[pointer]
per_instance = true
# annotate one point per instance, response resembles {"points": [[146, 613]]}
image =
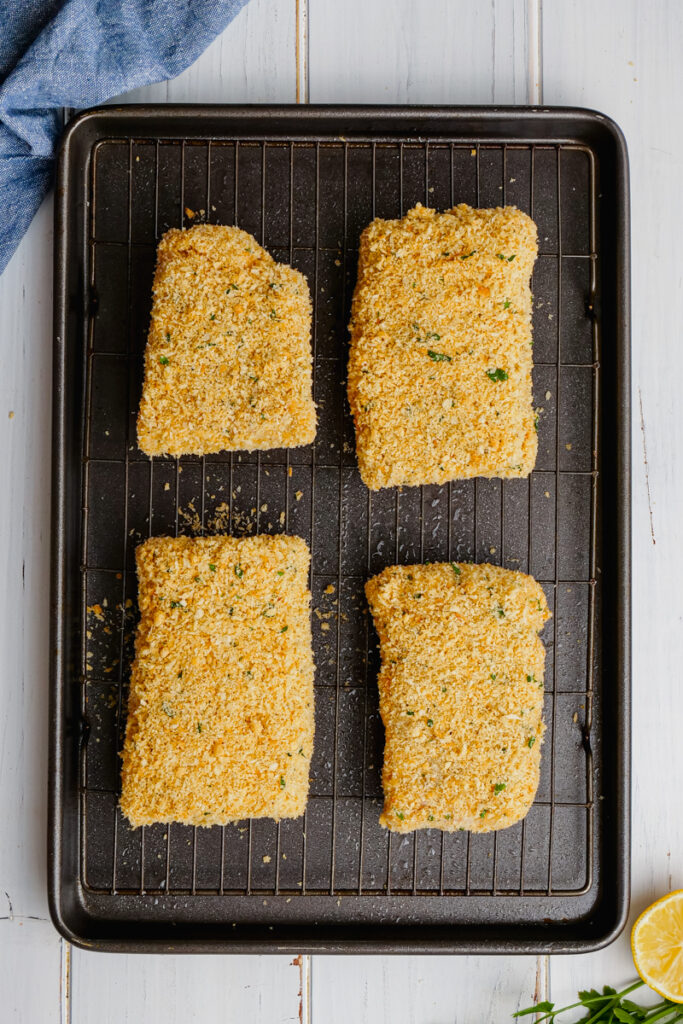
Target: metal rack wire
{"points": [[307, 202]]}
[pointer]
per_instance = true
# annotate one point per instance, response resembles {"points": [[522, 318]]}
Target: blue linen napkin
{"points": [[78, 53]]}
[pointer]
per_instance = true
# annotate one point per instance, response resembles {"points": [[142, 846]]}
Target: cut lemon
{"points": [[657, 946]]}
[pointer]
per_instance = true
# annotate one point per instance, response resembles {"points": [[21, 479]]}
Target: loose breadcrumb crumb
{"points": [[220, 716], [440, 363], [228, 359], [461, 694]]}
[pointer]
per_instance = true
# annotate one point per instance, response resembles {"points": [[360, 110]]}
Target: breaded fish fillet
{"points": [[461, 694], [220, 716], [440, 364], [228, 359]]}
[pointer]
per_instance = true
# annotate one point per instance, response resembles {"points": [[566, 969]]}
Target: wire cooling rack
{"points": [[306, 199]]}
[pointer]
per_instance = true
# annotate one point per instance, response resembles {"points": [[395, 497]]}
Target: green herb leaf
{"points": [[239, 572], [417, 596], [284, 629], [484, 812], [496, 375], [410, 712], [506, 304], [544, 1007], [400, 815], [164, 360], [212, 567], [501, 612], [438, 357], [468, 255], [212, 317], [282, 782], [430, 722], [199, 726], [177, 604], [499, 787], [457, 571], [608, 1006], [530, 742], [167, 709]]}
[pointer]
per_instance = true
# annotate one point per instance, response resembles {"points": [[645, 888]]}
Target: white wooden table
{"points": [[619, 56]]}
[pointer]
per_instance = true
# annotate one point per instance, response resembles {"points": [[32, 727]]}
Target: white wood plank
{"points": [[435, 51], [30, 971], [420, 990], [624, 59], [114, 989], [25, 459], [252, 61]]}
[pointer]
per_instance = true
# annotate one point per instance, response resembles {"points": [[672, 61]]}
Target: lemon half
{"points": [[657, 946]]}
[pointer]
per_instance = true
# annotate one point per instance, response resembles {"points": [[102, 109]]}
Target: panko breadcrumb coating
{"points": [[228, 358], [220, 715], [440, 364], [461, 694]]}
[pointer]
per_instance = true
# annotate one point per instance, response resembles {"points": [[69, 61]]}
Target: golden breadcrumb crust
{"points": [[228, 358], [440, 363], [461, 694], [220, 716]]}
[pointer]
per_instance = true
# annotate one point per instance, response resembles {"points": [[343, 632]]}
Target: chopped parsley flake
{"points": [[164, 360], [239, 572], [284, 629], [417, 596], [501, 611], [530, 742], [430, 722], [176, 604], [212, 317], [506, 304], [497, 374], [410, 712], [456, 569], [484, 812], [467, 256], [168, 710], [282, 782], [499, 787], [199, 726], [439, 357], [506, 259], [212, 568], [400, 815], [230, 288]]}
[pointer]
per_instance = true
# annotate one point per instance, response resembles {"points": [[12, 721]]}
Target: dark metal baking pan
{"points": [[305, 181]]}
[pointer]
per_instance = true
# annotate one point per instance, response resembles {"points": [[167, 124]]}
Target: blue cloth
{"points": [[78, 53]]}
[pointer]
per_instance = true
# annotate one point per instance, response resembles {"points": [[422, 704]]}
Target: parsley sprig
{"points": [[610, 1007]]}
